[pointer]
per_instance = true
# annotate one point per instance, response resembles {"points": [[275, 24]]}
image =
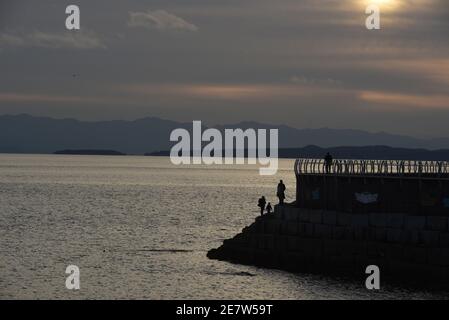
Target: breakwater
{"points": [[341, 223]]}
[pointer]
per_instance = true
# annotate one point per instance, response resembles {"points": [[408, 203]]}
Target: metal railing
{"points": [[372, 167]]}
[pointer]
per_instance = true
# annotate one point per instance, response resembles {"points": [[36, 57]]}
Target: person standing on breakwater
{"points": [[281, 192], [261, 205], [328, 162]]}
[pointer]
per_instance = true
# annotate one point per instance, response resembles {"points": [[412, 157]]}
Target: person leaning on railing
{"points": [[328, 162]]}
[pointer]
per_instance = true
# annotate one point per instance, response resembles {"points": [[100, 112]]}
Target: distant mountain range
{"points": [[368, 152], [91, 152], [29, 134]]}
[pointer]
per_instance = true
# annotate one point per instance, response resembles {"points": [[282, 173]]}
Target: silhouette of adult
{"points": [[261, 204], [281, 192], [328, 162]]}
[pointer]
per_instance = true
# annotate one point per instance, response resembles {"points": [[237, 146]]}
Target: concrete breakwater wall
{"points": [[427, 195], [403, 246]]}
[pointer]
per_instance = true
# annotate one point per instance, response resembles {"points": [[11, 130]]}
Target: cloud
{"points": [[435, 69], [75, 40], [47, 98], [310, 81], [231, 92], [406, 100], [161, 20]]}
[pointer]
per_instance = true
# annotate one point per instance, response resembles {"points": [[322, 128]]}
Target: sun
{"points": [[383, 4]]}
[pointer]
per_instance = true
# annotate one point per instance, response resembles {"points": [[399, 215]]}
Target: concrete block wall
{"points": [[306, 239], [406, 194]]}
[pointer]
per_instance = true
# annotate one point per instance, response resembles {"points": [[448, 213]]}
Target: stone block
{"points": [[415, 254], [239, 237], [414, 237], [359, 248], [415, 222], [261, 242], [338, 232], [270, 242], [372, 249], [330, 218], [292, 243], [344, 247], [276, 226], [381, 234], [272, 226], [301, 244], [260, 257], [304, 215], [301, 229], [316, 216], [394, 252], [322, 231], [344, 219], [361, 262], [329, 248], [394, 235], [360, 233], [259, 226], [395, 220], [444, 240], [430, 238], [291, 213], [281, 243], [433, 256], [436, 223], [293, 261], [284, 227], [292, 228], [382, 249], [444, 257], [308, 228], [349, 233], [436, 273], [360, 220], [312, 247], [343, 261], [253, 241], [397, 266], [438, 256], [405, 236], [279, 210], [378, 220]]}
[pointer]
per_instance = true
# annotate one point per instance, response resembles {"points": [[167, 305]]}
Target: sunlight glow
{"points": [[380, 2], [383, 4]]}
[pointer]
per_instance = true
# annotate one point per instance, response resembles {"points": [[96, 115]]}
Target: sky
{"points": [[303, 63]]}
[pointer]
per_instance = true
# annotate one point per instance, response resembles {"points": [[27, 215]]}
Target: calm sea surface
{"points": [[140, 228]]}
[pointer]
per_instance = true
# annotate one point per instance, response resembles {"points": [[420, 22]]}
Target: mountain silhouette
{"points": [[29, 134], [366, 152]]}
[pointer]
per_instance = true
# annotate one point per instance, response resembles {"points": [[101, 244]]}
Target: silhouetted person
{"points": [[281, 192], [261, 205], [269, 208], [328, 162]]}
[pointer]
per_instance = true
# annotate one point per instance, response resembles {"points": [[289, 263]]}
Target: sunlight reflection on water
{"points": [[138, 227]]}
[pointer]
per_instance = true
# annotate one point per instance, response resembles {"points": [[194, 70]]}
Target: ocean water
{"points": [[140, 228]]}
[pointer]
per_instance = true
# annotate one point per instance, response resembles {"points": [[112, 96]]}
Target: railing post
{"points": [[372, 167]]}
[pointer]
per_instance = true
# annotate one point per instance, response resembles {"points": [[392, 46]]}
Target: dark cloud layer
{"points": [[300, 62]]}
